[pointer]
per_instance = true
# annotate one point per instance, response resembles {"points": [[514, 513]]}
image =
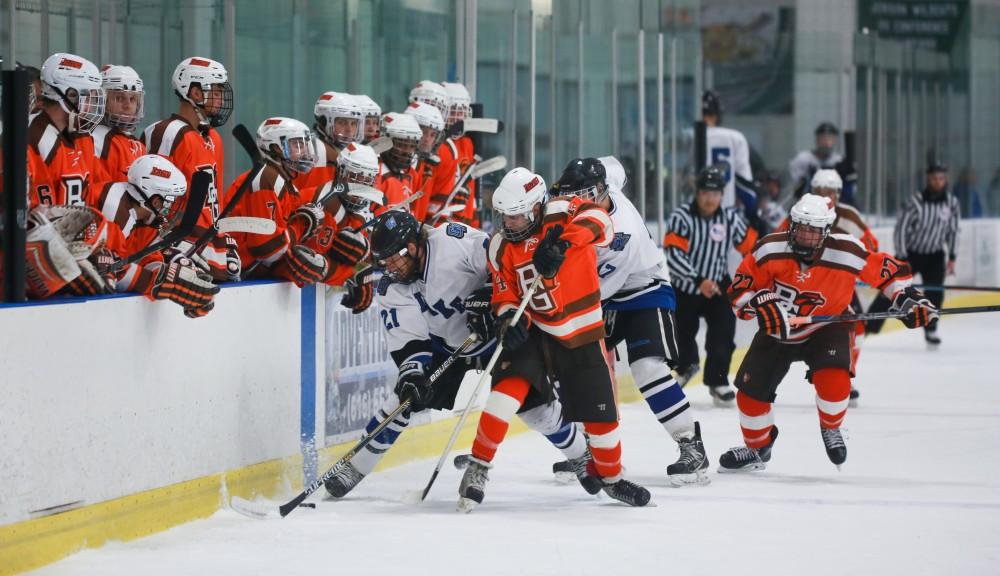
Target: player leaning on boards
{"points": [[638, 303], [434, 292], [561, 332], [805, 271]]}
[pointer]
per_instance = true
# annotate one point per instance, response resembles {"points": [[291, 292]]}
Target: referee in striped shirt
{"points": [[699, 238], [926, 236]]}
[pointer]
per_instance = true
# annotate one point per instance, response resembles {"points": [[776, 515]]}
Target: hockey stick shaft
{"points": [[475, 170], [528, 295], [454, 191], [286, 509], [801, 320], [939, 288], [401, 204]]}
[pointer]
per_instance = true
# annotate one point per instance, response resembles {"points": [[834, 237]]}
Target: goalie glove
{"points": [[348, 247], [918, 309], [305, 220], [90, 282], [180, 282], [360, 291], [306, 266], [771, 315]]}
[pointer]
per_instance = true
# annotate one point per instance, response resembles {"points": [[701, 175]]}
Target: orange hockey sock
{"points": [[605, 447], [756, 420], [504, 401], [833, 391]]}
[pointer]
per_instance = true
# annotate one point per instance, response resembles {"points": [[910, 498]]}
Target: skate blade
{"points": [[565, 477], [699, 478], [466, 505], [743, 470]]}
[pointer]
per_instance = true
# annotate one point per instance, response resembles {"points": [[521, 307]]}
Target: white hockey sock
{"points": [[366, 460], [664, 396], [566, 436]]}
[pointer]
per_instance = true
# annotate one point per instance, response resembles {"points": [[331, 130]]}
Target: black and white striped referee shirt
{"points": [[928, 225], [698, 247]]}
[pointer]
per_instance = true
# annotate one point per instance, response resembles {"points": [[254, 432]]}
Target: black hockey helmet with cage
{"points": [[710, 104], [582, 177], [711, 178], [391, 233], [827, 128]]}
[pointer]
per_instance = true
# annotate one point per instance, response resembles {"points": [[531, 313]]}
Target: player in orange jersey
{"points": [[805, 271], [339, 122], [561, 332], [61, 165], [432, 125], [398, 178], [460, 147], [115, 143]]}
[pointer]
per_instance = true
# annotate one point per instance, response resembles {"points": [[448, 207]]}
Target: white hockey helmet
{"points": [[373, 116], [430, 92], [123, 88], [827, 179], [405, 134], [211, 77], [333, 106], [75, 83], [812, 219], [357, 169], [459, 102], [288, 143], [153, 175], [518, 193], [431, 125]]}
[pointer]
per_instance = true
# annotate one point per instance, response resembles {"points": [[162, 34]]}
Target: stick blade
{"points": [[248, 225], [489, 165], [381, 144], [255, 510]]}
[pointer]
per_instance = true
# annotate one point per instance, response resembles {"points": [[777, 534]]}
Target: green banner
{"points": [[934, 25]]}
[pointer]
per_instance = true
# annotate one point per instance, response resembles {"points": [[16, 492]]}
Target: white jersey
{"points": [[632, 269], [804, 165], [729, 147], [431, 309]]}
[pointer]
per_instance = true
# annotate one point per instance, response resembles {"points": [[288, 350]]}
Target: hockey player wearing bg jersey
{"points": [[434, 287], [805, 271], [638, 303], [561, 332], [115, 143], [339, 122]]}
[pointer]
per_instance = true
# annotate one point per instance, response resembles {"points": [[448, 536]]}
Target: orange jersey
{"points": [[466, 156], [116, 205], [443, 178], [336, 217], [424, 175], [569, 305], [396, 187], [825, 287], [264, 199], [116, 151], [325, 169], [849, 221], [62, 170]]}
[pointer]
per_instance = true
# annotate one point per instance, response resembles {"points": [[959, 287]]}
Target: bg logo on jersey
{"points": [[799, 303]]}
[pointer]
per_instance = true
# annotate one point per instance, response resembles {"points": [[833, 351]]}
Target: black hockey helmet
{"points": [[827, 128], [710, 104], [391, 233], [584, 177], [711, 178], [936, 166]]}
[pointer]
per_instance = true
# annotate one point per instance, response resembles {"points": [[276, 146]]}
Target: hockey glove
{"points": [[360, 291], [306, 266], [348, 247], [771, 315], [918, 309], [234, 265], [180, 282], [91, 282], [413, 385], [550, 253], [305, 219], [513, 335], [199, 311], [478, 316]]}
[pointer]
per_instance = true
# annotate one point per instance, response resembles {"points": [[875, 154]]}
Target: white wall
{"points": [[110, 397], [978, 258]]}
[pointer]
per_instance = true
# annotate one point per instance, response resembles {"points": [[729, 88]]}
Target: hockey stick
{"points": [[484, 125], [259, 511], [200, 181], [401, 204], [242, 136], [802, 320], [528, 295], [381, 144], [247, 224], [939, 288], [477, 169]]}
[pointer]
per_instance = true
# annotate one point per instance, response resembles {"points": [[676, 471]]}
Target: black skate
{"points": [[853, 402], [568, 471], [722, 396], [744, 459], [836, 450], [685, 374], [473, 487], [691, 466], [932, 338], [344, 481], [627, 492]]}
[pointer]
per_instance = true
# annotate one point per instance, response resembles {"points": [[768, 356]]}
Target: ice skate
{"points": [[692, 464], [473, 487], [853, 401], [685, 374], [836, 450], [744, 459], [722, 396], [625, 491]]}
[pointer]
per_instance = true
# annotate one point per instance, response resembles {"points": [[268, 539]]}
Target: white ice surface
{"points": [[919, 494]]}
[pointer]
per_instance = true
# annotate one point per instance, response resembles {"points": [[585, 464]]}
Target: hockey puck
{"points": [[307, 505]]}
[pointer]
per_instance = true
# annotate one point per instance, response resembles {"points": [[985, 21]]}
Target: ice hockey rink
{"points": [[919, 494]]}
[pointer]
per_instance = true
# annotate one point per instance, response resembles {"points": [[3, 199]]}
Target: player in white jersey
{"points": [[638, 303], [433, 294], [728, 149], [802, 167]]}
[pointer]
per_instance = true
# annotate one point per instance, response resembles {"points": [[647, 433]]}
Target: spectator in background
{"points": [[807, 162]]}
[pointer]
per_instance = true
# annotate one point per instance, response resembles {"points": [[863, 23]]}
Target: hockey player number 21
{"points": [[542, 301]]}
